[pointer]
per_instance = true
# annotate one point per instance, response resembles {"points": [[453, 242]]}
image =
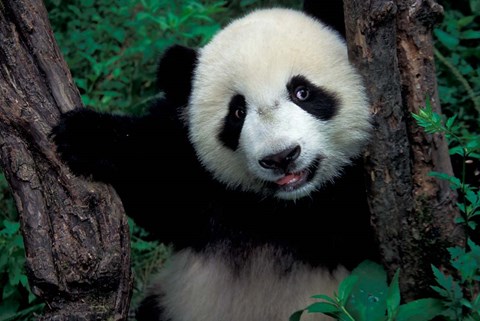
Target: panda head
{"points": [[276, 108]]}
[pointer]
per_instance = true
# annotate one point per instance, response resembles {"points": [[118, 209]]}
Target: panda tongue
{"points": [[289, 179]]}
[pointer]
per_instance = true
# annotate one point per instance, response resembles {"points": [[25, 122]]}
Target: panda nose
{"points": [[281, 160]]}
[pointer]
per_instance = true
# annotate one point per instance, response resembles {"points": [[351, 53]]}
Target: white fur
{"points": [[256, 56], [205, 287]]}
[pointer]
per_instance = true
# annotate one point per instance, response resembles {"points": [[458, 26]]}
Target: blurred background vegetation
{"points": [[112, 48]]}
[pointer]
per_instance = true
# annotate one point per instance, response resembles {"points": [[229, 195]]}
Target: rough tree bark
{"points": [[75, 232], [390, 42]]}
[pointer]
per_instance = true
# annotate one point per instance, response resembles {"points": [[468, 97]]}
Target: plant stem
{"points": [[346, 312], [460, 78]]}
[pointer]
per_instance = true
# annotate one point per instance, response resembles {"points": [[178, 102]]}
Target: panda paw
{"points": [[77, 138]]}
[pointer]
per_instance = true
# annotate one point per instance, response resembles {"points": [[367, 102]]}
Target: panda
{"points": [[249, 166]]}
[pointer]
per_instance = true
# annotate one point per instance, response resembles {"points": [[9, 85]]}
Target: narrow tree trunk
{"points": [[390, 42], [75, 232]]}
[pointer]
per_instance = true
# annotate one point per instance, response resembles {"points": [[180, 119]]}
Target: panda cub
{"points": [[247, 166]]}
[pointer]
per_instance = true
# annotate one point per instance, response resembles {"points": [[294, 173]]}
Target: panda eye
{"points": [[237, 109], [302, 93], [240, 113]]}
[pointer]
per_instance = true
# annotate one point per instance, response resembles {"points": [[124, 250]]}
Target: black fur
{"points": [[328, 11], [150, 310], [175, 72]]}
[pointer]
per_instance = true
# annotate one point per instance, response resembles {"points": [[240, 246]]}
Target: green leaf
{"points": [[459, 220], [473, 144], [75, 10], [119, 35], [455, 183], [323, 307], [296, 316], [420, 310], [447, 39], [8, 309], [476, 303], [457, 150], [466, 304], [473, 198], [451, 289], [474, 248], [456, 252], [475, 5], [464, 21], [367, 301], [472, 225], [81, 83], [345, 288], [8, 291], [428, 119], [393, 296], [87, 3], [17, 241], [439, 290], [471, 34], [450, 121], [10, 228], [324, 297]]}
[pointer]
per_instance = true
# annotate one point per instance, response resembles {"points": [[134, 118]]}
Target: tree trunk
{"points": [[75, 232], [391, 44]]}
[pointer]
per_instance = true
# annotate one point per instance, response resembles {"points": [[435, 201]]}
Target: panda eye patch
{"points": [[237, 108], [316, 100], [233, 122], [302, 93]]}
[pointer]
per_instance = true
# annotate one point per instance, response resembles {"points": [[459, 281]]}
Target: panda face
{"points": [[276, 108]]}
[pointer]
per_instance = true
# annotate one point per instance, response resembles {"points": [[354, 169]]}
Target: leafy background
{"points": [[112, 48]]}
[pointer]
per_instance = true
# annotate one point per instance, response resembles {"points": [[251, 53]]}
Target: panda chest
{"points": [[268, 286]]}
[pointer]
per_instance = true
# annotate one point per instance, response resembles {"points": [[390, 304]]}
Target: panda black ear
{"points": [[174, 74], [328, 11]]}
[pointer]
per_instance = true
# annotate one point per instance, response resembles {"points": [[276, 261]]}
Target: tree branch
{"points": [[75, 232]]}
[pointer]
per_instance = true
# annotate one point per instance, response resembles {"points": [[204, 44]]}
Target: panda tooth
{"points": [[293, 179], [289, 179]]}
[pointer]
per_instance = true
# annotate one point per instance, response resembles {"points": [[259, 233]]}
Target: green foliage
{"points": [[457, 55], [467, 146], [461, 142], [147, 258], [334, 307], [366, 296], [112, 47], [16, 298], [458, 290], [7, 206]]}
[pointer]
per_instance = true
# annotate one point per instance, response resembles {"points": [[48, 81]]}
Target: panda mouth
{"points": [[293, 181]]}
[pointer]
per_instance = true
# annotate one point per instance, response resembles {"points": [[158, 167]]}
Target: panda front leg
{"points": [[97, 145]]}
